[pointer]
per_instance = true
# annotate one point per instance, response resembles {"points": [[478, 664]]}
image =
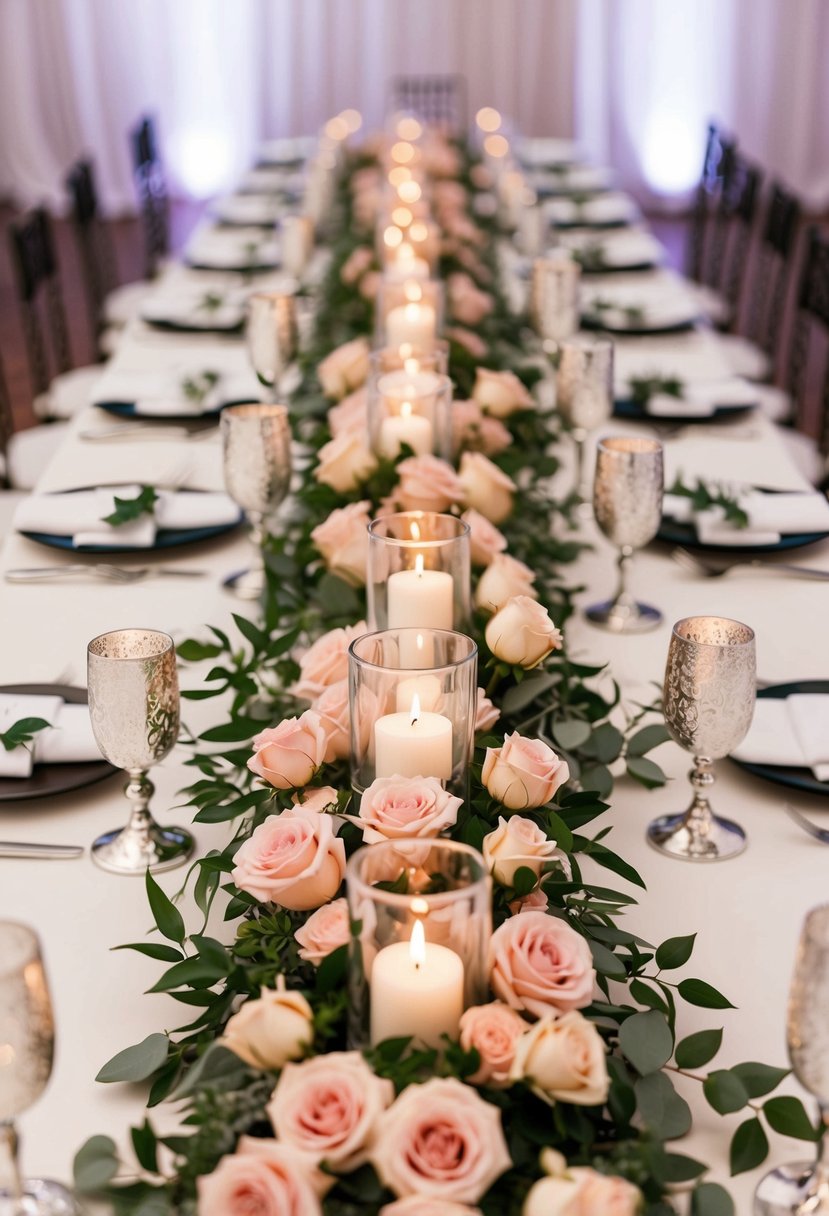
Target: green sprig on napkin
{"points": [[196, 388], [704, 495], [642, 388], [211, 301], [22, 731], [128, 509]]}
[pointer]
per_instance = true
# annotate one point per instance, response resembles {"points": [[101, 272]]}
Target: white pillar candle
{"points": [[408, 428], [405, 264], [415, 323], [417, 651], [413, 744], [421, 599], [420, 389], [416, 989]]}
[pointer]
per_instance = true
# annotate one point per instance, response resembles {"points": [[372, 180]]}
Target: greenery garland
{"points": [[558, 701]]}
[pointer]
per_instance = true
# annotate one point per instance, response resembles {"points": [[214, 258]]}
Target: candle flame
{"points": [[415, 710], [417, 943], [406, 409], [411, 366], [419, 563]]}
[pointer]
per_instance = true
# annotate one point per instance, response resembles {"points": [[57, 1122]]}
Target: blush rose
{"points": [[538, 963], [292, 859], [523, 773]]}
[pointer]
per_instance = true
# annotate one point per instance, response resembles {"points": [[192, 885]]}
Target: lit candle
{"points": [[421, 599], [407, 427], [412, 385], [415, 322], [416, 989], [413, 744], [406, 265]]}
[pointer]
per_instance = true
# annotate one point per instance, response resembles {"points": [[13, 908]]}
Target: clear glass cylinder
{"points": [[412, 694], [419, 572], [418, 954], [584, 382], [411, 409], [554, 296], [409, 313]]}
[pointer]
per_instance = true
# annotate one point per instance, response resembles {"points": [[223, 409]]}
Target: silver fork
{"points": [[111, 574], [148, 432], [705, 569], [821, 834]]}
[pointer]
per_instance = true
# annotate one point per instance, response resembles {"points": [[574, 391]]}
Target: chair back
{"points": [[736, 209], [436, 99], [809, 378], [6, 430], [94, 242], [774, 272], [151, 186], [39, 296], [707, 193]]}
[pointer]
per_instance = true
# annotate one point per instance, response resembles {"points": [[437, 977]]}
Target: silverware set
{"points": [[103, 572]]}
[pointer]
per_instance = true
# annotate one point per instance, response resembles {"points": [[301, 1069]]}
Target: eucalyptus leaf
{"points": [[675, 952], [95, 1164], [646, 1041], [787, 1116], [697, 1049], [725, 1092], [138, 1062], [749, 1146], [697, 992], [711, 1199], [571, 733], [759, 1079]]}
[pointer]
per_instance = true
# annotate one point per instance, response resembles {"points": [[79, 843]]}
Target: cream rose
{"points": [[288, 755], [504, 579], [261, 1177], [563, 1058], [350, 417], [396, 807], [318, 798], [494, 436], [583, 1192], [324, 932], [472, 343], [493, 1030], [268, 1032], [522, 633], [356, 264], [332, 705], [292, 859], [486, 714], [345, 368], [440, 1140], [326, 662], [538, 963], [343, 542], [485, 540], [427, 483], [469, 305], [416, 1205], [523, 773], [500, 393], [330, 1107], [475, 431], [517, 842], [486, 487], [345, 463]]}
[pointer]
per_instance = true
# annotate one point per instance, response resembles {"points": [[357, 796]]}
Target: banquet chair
{"points": [[705, 199], [110, 308], [60, 390], [811, 335], [151, 184], [437, 99], [23, 455]]}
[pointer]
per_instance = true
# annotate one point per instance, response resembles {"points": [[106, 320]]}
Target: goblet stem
{"points": [[142, 844], [698, 834], [139, 790], [580, 440], [698, 817], [11, 1144]]}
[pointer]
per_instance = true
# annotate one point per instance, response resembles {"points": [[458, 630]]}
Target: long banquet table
{"points": [[747, 912]]}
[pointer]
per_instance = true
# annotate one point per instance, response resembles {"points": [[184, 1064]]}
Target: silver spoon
{"points": [[706, 569], [821, 834]]}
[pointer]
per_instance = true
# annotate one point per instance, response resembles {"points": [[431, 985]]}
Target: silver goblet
{"points": [[554, 298], [708, 703], [627, 502], [27, 1039], [256, 443], [803, 1187], [584, 392], [273, 340], [134, 707]]}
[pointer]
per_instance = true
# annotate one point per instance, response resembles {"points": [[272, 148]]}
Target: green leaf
{"points": [[193, 651], [606, 962], [219, 1068], [571, 733], [749, 1146], [331, 972], [191, 973], [524, 880], [646, 996], [676, 1167], [759, 1079], [22, 731], [711, 1199], [697, 1049], [645, 771], [646, 1041], [522, 695], [237, 730], [257, 638], [697, 992], [675, 952], [725, 1092], [666, 1115], [611, 861], [167, 917], [597, 778], [162, 953], [128, 509], [605, 743], [647, 738], [558, 830], [212, 952], [787, 1116], [95, 1164], [138, 1062], [145, 1146]]}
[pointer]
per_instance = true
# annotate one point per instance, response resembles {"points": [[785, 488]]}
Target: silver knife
{"points": [[19, 848]]}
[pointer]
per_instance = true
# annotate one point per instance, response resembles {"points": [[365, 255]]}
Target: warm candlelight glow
{"points": [[417, 943], [402, 152], [488, 119], [409, 191], [398, 175], [406, 409], [392, 237], [496, 145], [336, 128], [411, 366], [419, 564], [413, 292], [415, 710], [414, 530], [353, 120], [402, 216], [408, 128]]}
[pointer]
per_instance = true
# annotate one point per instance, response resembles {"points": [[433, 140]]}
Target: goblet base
{"points": [[246, 584], [789, 1190], [674, 836], [41, 1197], [629, 617], [125, 851]]}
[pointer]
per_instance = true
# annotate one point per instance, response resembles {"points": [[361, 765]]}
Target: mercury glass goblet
{"points": [[134, 707], [26, 1047], [803, 1187], [273, 340], [627, 502], [708, 702], [554, 298], [584, 393], [256, 442]]}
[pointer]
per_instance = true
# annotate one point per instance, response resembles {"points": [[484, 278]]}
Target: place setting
{"points": [[616, 251], [595, 211], [711, 518], [245, 250]]}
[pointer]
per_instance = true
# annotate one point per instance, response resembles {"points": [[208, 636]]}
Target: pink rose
{"points": [[473, 431], [504, 579], [369, 285], [329, 1108], [343, 542], [471, 261], [523, 773], [582, 1192], [350, 416], [292, 859], [440, 1140], [468, 304], [324, 932], [501, 393], [522, 633], [494, 436], [485, 540], [515, 843], [356, 264], [268, 1032], [332, 705], [316, 798], [493, 1030], [393, 808], [262, 1178], [486, 714], [536, 901], [417, 1205], [345, 462], [326, 662], [486, 487], [346, 368], [427, 483], [538, 963], [564, 1059], [288, 755], [471, 342]]}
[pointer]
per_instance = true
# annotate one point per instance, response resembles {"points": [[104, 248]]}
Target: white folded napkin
{"points": [[770, 516], [232, 249], [609, 208], [69, 740], [678, 507], [161, 394], [702, 398], [574, 179], [188, 509], [13, 707], [81, 516], [627, 247], [543, 150], [247, 209], [187, 307], [714, 529], [793, 733]]}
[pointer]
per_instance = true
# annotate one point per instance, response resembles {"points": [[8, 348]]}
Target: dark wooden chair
{"points": [[738, 207], [774, 269], [95, 248], [23, 454], [808, 372], [39, 296], [151, 185], [438, 99], [705, 201]]}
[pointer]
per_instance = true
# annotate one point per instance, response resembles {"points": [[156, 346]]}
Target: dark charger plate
{"points": [[50, 779], [794, 778]]}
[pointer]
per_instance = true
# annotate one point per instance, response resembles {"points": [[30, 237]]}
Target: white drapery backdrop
{"points": [[635, 82]]}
